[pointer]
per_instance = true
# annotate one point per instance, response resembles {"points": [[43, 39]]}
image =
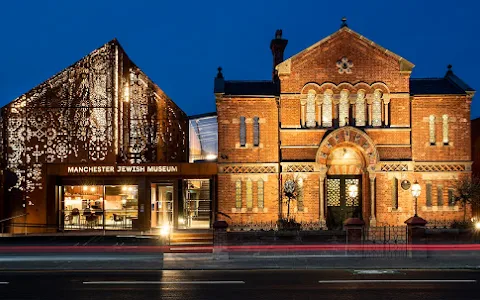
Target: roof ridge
{"points": [[234, 81], [427, 78]]}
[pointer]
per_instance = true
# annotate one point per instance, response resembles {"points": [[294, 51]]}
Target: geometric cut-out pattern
{"points": [[333, 192]]}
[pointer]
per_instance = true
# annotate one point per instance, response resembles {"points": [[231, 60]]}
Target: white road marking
{"points": [[4, 282], [374, 272], [165, 282], [401, 281]]}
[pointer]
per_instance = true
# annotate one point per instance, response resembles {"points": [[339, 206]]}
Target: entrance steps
{"points": [[189, 238]]}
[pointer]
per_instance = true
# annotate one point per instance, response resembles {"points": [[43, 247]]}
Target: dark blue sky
{"points": [[179, 44]]}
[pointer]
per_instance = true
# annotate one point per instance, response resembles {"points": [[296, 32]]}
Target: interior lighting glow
{"points": [[211, 156]]}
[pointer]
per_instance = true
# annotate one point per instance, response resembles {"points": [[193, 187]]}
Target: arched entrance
{"points": [[343, 185], [347, 158]]}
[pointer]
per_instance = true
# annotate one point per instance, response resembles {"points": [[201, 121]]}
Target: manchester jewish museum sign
{"points": [[121, 169]]}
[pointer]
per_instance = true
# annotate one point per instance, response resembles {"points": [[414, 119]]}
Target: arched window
{"points": [[343, 108], [360, 109], [327, 109], [260, 202], [310, 115], [431, 129], [377, 109], [445, 129], [249, 193], [238, 194]]}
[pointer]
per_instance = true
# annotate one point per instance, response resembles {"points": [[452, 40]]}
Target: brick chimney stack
{"points": [[277, 45]]}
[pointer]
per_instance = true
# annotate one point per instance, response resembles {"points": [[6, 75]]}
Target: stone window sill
{"points": [[304, 210], [249, 210], [441, 208], [248, 146], [395, 210]]}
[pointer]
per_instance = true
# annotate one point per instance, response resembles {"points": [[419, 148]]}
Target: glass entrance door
{"points": [[197, 204], [162, 201], [344, 196]]}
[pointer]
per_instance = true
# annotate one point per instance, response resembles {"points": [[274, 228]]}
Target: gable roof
{"points": [[406, 65]]}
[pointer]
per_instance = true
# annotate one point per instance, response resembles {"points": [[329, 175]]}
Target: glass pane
{"points": [[162, 205], [333, 192], [83, 207], [121, 206], [197, 203], [349, 200]]}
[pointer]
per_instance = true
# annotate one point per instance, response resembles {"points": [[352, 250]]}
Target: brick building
{"points": [[344, 121]]}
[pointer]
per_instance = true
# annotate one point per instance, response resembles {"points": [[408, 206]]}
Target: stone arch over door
{"points": [[355, 141]]}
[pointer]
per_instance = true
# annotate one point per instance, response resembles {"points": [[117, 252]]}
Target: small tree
{"points": [[291, 193], [468, 192]]}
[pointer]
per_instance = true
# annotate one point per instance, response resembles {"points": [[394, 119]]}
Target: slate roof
{"points": [[434, 86], [252, 88], [450, 84]]}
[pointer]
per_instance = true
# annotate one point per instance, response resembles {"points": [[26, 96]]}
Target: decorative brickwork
{"points": [[393, 167], [339, 120], [299, 168], [248, 169], [439, 168]]}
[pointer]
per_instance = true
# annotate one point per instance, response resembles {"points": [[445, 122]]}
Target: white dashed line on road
{"points": [[164, 282], [401, 281]]}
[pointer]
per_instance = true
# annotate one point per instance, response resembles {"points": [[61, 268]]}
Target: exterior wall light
{"points": [[211, 157]]}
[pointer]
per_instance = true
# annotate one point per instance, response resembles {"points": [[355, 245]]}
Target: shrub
{"points": [[288, 224]]}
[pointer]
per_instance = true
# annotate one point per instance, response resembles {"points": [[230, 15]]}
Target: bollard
{"points": [[354, 228], [220, 240], [416, 235]]}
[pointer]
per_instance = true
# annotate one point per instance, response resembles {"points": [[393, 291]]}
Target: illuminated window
{"points": [[377, 109], [395, 193], [327, 109], [440, 195], [343, 108], [256, 131], [300, 206], [431, 122], [445, 129], [260, 193], [429, 194], [238, 194], [451, 197], [311, 110], [99, 207], [243, 132], [249, 193], [360, 109]]}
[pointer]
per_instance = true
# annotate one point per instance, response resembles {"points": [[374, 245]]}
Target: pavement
{"points": [[131, 260], [241, 284]]}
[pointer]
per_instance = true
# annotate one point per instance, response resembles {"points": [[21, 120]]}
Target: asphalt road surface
{"points": [[241, 284]]}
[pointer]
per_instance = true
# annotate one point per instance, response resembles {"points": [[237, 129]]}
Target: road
{"points": [[241, 284]]}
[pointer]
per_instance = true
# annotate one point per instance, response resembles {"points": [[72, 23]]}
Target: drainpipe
{"points": [[277, 100]]}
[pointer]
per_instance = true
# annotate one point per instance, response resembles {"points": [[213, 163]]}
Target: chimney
{"points": [[277, 45]]}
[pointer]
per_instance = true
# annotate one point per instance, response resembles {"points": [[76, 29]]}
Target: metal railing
{"points": [[10, 218]]}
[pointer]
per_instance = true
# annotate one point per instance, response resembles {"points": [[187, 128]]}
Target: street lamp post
{"points": [[416, 190]]}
